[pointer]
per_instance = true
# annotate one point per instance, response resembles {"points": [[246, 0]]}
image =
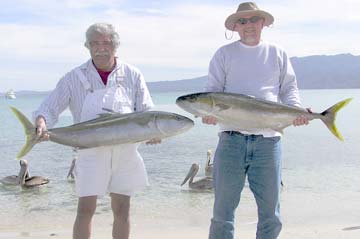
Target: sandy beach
{"points": [[293, 232], [304, 231], [305, 216]]}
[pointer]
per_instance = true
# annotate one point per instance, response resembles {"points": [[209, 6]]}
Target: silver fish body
{"points": [[121, 129], [110, 129], [246, 113]]}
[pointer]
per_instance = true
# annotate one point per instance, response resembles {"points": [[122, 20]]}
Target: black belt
{"points": [[233, 132]]}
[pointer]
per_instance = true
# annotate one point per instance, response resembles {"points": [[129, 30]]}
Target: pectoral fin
{"points": [[108, 110], [222, 107], [102, 115]]}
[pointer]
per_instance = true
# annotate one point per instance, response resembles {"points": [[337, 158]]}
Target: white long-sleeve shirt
{"points": [[70, 92], [263, 71]]}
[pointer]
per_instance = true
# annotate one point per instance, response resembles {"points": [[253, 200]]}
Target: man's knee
{"points": [[120, 205], [86, 206]]}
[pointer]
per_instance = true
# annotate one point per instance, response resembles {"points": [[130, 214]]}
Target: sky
{"points": [[42, 40]]}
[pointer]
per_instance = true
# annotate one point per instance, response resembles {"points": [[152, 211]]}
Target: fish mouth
{"points": [[186, 102], [194, 103], [186, 123], [180, 124]]}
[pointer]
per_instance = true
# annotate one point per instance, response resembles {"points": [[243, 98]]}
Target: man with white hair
{"points": [[102, 83], [253, 67]]}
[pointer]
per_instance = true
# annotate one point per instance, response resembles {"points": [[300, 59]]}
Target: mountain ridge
{"points": [[341, 71]]}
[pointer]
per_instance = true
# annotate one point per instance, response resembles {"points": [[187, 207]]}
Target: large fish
{"points": [[109, 129], [245, 112]]}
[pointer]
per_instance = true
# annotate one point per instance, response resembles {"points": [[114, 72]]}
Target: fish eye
{"points": [[192, 98]]}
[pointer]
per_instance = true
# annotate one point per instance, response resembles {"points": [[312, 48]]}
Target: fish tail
{"points": [[330, 116], [29, 128]]}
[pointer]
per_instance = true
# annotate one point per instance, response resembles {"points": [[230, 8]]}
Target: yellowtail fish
{"points": [[246, 113], [109, 129]]}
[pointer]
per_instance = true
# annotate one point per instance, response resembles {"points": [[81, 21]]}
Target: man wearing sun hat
{"points": [[253, 67]]}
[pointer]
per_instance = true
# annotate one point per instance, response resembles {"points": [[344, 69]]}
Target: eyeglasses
{"points": [[101, 43], [253, 19]]}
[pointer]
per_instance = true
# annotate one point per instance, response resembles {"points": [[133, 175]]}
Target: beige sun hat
{"points": [[247, 8]]}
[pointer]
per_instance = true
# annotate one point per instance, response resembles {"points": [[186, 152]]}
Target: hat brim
{"points": [[233, 18]]}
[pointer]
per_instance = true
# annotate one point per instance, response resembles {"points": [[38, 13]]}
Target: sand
{"points": [[305, 231], [305, 215]]}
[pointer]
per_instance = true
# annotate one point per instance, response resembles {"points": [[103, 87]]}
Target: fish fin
{"points": [[330, 116], [109, 110], [222, 106], [102, 115], [29, 128]]}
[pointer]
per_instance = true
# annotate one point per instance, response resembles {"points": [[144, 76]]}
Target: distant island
{"points": [[340, 71]]}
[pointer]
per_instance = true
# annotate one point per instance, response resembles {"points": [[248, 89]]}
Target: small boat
{"points": [[10, 94]]}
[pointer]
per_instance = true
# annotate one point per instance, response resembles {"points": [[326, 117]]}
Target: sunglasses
{"points": [[253, 19]]}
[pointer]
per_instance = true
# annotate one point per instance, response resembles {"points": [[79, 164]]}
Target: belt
{"points": [[233, 132]]}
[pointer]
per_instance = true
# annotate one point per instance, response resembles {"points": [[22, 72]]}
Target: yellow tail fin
{"points": [[29, 128], [330, 116]]}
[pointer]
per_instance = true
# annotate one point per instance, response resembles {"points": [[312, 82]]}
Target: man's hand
{"points": [[41, 130], [153, 141], [302, 119], [209, 120]]}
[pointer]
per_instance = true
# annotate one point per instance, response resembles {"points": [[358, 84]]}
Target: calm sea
{"points": [[314, 163]]}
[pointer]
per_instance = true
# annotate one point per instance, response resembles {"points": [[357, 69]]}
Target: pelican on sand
{"points": [[23, 178], [204, 183]]}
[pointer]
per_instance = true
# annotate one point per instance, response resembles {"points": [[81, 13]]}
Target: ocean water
{"points": [[315, 164]]}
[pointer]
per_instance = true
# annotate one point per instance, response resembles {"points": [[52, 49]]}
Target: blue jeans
{"points": [[236, 156]]}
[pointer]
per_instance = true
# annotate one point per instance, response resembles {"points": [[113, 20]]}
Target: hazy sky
{"points": [[167, 40]]}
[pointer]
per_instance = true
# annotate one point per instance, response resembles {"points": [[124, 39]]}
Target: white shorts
{"points": [[112, 169]]}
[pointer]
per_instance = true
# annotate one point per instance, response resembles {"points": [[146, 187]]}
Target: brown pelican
{"points": [[208, 165], [24, 179], [204, 183], [71, 175], [32, 181], [15, 179]]}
